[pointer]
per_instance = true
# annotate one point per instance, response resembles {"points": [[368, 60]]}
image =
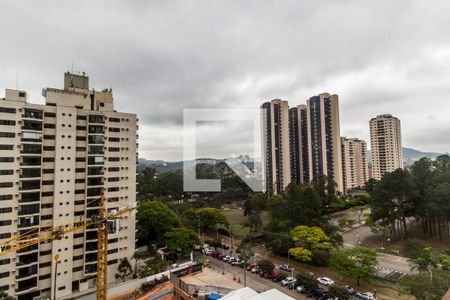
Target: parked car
{"points": [[286, 268], [198, 247], [288, 280], [249, 267], [365, 295], [293, 285], [232, 258], [279, 278], [221, 256], [226, 258], [300, 289], [325, 281], [349, 289], [215, 253], [237, 262], [270, 275], [255, 270], [208, 251], [317, 293]]}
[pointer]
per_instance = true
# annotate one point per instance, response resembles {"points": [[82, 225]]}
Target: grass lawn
{"points": [[236, 216]]}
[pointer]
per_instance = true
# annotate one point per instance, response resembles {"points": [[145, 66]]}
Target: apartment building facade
{"points": [[324, 138], [386, 145], [56, 160], [355, 169], [299, 144], [275, 145]]}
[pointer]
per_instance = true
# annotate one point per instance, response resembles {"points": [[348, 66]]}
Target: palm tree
{"points": [[124, 269]]}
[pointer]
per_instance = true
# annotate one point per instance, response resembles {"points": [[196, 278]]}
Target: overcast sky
{"points": [[162, 56]]}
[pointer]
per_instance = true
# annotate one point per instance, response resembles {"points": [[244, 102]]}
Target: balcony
{"points": [[96, 150], [26, 285], [95, 171], [31, 149], [96, 139], [30, 173], [31, 136], [33, 114], [31, 161], [27, 272], [96, 181], [29, 209], [32, 125], [96, 129], [96, 119], [28, 221], [96, 160], [27, 259], [30, 185], [30, 197], [94, 192]]}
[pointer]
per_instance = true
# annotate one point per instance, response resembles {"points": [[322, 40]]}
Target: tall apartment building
{"points": [[355, 169], [386, 145], [55, 160], [324, 138], [275, 148], [298, 139]]}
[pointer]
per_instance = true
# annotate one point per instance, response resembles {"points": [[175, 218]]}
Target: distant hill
{"points": [[411, 155]]}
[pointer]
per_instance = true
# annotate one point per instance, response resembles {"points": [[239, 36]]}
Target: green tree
{"points": [[308, 240], [266, 266], [253, 222], [154, 219], [338, 292], [424, 288], [210, 218], [357, 263], [182, 239], [426, 261], [245, 252], [307, 281], [124, 269], [278, 243], [153, 267], [255, 202]]}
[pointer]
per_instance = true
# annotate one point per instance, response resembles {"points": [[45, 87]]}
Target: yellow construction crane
{"points": [[30, 238]]}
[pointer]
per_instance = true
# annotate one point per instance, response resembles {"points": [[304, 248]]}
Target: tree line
{"points": [[419, 194]]}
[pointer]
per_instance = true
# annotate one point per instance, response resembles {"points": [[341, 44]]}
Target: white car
{"points": [[288, 280], [325, 281], [208, 251], [226, 258], [365, 296], [300, 289], [232, 259], [286, 268], [237, 262], [255, 270]]}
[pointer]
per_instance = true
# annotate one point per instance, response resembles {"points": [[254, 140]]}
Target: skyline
{"points": [[171, 57]]}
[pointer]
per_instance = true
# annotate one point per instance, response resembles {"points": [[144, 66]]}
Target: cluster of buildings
{"points": [[302, 142], [56, 159]]}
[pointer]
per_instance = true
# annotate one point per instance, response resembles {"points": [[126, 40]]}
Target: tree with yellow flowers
{"points": [[308, 240]]}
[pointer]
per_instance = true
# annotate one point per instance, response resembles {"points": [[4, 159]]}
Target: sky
{"points": [[161, 57]]}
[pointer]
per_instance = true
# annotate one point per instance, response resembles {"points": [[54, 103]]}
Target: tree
{"points": [[426, 261], [253, 222], [124, 269], [338, 293], [154, 219], [256, 202], [307, 281], [182, 239], [153, 267], [278, 243], [210, 218], [425, 288], [359, 212], [357, 263], [245, 252], [307, 240], [266, 266]]}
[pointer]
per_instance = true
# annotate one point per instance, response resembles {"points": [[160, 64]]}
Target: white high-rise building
{"points": [[386, 145], [55, 160], [355, 169]]}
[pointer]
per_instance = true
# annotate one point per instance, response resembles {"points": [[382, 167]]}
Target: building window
{"points": [[7, 134], [7, 110], [8, 122]]}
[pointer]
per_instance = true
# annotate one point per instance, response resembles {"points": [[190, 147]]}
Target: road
{"points": [[364, 237], [253, 281]]}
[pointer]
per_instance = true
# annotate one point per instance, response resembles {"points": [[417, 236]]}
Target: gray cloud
{"points": [[162, 56]]}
